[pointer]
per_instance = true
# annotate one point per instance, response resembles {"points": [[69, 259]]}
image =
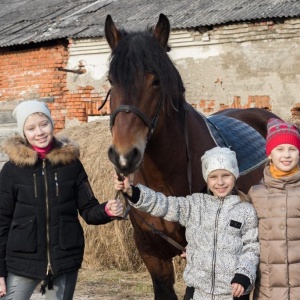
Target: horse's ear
{"points": [[112, 33], [162, 31]]}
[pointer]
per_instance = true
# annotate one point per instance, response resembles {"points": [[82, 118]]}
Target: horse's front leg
{"points": [[157, 255], [162, 275]]}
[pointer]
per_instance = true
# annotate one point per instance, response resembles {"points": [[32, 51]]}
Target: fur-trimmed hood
{"points": [[21, 154]]}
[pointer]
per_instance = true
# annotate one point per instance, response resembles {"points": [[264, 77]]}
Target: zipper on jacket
{"points": [[213, 280], [35, 185], [286, 241], [44, 172], [56, 184]]}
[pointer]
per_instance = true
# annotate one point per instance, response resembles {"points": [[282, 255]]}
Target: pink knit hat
{"points": [[280, 132]]}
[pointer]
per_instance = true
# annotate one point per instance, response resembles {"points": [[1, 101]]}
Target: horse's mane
{"points": [[139, 53]]}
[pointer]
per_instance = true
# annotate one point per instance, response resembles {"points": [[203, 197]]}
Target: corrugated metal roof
{"points": [[27, 21]]}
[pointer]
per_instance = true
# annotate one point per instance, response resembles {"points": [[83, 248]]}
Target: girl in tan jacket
{"points": [[277, 202]]}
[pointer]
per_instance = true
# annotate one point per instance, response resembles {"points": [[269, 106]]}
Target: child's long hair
{"points": [[243, 196]]}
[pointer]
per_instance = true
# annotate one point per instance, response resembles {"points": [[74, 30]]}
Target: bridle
{"points": [[150, 123]]}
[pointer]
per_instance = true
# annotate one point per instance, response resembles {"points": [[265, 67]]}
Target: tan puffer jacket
{"points": [[277, 202]]}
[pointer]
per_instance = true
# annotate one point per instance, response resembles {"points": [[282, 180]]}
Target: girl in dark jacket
{"points": [[43, 186]]}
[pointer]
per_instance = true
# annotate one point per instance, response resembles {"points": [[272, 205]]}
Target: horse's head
{"points": [[145, 86]]}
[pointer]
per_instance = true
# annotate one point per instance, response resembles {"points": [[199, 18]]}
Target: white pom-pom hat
{"points": [[219, 159]]}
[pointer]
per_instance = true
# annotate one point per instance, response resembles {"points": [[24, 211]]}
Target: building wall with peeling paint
{"points": [[244, 65], [40, 72], [244, 69], [240, 65]]}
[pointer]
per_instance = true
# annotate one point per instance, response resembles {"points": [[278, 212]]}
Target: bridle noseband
{"points": [[150, 123]]}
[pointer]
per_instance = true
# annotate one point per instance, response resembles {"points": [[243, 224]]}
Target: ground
{"points": [[114, 285]]}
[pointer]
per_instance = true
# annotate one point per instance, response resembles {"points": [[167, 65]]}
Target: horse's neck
{"points": [[168, 155]]}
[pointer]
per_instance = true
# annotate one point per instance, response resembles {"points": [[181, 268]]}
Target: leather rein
{"points": [[151, 124]]}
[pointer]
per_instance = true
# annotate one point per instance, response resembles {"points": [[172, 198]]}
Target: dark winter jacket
{"points": [[39, 205]]}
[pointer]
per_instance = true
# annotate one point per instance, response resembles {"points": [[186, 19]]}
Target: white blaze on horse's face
{"points": [[127, 150], [122, 161]]}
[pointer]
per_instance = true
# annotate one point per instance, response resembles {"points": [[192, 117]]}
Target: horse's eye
{"points": [[155, 82]]}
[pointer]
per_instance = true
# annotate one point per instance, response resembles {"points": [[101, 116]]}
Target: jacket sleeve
{"points": [[241, 279], [249, 258], [174, 209], [88, 206], [7, 206]]}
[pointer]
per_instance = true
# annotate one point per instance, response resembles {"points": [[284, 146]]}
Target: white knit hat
{"points": [[219, 158], [27, 108]]}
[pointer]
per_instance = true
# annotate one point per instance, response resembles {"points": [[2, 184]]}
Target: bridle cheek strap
{"points": [[151, 124]]}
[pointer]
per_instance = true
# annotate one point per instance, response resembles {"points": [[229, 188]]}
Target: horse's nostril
{"points": [[134, 156], [136, 151], [111, 154], [110, 150]]}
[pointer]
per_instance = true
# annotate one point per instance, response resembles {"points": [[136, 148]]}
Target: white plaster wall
{"points": [[94, 55], [220, 72], [228, 61]]}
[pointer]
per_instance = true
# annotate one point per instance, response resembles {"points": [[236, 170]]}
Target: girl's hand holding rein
{"points": [[125, 185], [114, 207]]}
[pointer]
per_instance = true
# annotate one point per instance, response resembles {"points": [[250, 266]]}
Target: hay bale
{"points": [[110, 245]]}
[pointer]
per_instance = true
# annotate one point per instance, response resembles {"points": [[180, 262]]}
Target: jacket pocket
{"points": [[23, 235], [70, 233]]}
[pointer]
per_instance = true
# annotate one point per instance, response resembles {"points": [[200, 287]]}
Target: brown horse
{"points": [[159, 136]]}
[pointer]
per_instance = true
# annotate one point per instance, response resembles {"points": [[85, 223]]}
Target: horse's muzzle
{"points": [[125, 163]]}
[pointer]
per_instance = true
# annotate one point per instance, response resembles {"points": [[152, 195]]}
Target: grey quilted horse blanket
{"points": [[247, 143]]}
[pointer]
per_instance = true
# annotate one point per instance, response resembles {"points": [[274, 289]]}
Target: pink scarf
{"points": [[42, 152]]}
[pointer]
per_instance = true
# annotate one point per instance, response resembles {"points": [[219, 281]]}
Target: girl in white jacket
{"points": [[221, 228]]}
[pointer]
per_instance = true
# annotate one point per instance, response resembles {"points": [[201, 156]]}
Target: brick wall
{"points": [[31, 72], [210, 106]]}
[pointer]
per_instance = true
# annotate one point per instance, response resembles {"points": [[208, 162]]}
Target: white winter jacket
{"points": [[222, 238]]}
